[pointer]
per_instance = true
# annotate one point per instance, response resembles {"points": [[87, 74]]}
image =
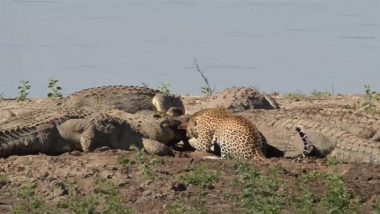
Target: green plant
{"points": [[259, 194], [55, 90], [23, 91], [4, 180], [145, 165], [76, 203], [164, 88], [85, 205], [177, 208], [370, 97], [376, 206], [206, 90], [110, 194], [105, 199], [332, 161], [336, 198], [303, 200], [319, 94], [123, 159], [201, 176], [296, 95], [28, 202]]}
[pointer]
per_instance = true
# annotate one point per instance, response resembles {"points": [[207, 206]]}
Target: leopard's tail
{"points": [[307, 145]]}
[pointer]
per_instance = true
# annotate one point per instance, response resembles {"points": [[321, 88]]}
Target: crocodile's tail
{"points": [[32, 137], [26, 140]]}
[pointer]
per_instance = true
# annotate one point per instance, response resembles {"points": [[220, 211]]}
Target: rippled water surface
{"points": [[275, 45]]}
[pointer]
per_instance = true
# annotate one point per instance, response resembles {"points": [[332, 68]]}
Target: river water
{"points": [[274, 45]]}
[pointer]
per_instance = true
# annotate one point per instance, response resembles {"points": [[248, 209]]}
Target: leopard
{"points": [[237, 137]]}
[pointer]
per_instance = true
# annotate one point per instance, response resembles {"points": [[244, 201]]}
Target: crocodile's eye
{"points": [[156, 116]]}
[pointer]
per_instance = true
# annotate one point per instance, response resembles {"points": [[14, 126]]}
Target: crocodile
{"points": [[127, 98], [84, 130], [329, 141], [130, 99], [361, 123]]}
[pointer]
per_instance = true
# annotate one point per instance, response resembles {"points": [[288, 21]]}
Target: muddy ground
{"points": [[115, 181], [140, 183]]}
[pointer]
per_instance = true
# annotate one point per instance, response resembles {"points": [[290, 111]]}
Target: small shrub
{"points": [[28, 202], [206, 90], [108, 191], [105, 199], [177, 208], [4, 180], [23, 91], [297, 95], [180, 208], [319, 94], [55, 90], [332, 161], [336, 198], [201, 176], [303, 200], [76, 203], [370, 97], [259, 194], [376, 206], [123, 160], [85, 205], [164, 88], [146, 166]]}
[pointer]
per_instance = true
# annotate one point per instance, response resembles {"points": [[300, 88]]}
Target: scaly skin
{"points": [[358, 122], [127, 98], [76, 130], [38, 137], [346, 147]]}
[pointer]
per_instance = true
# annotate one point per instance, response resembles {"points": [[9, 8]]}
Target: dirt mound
{"points": [[238, 99]]}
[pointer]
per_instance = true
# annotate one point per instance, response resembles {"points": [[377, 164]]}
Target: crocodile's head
{"points": [[170, 104], [161, 128]]}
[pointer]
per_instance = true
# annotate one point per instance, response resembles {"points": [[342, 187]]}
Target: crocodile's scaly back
{"points": [[358, 122], [40, 136], [281, 133], [37, 116], [127, 98]]}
